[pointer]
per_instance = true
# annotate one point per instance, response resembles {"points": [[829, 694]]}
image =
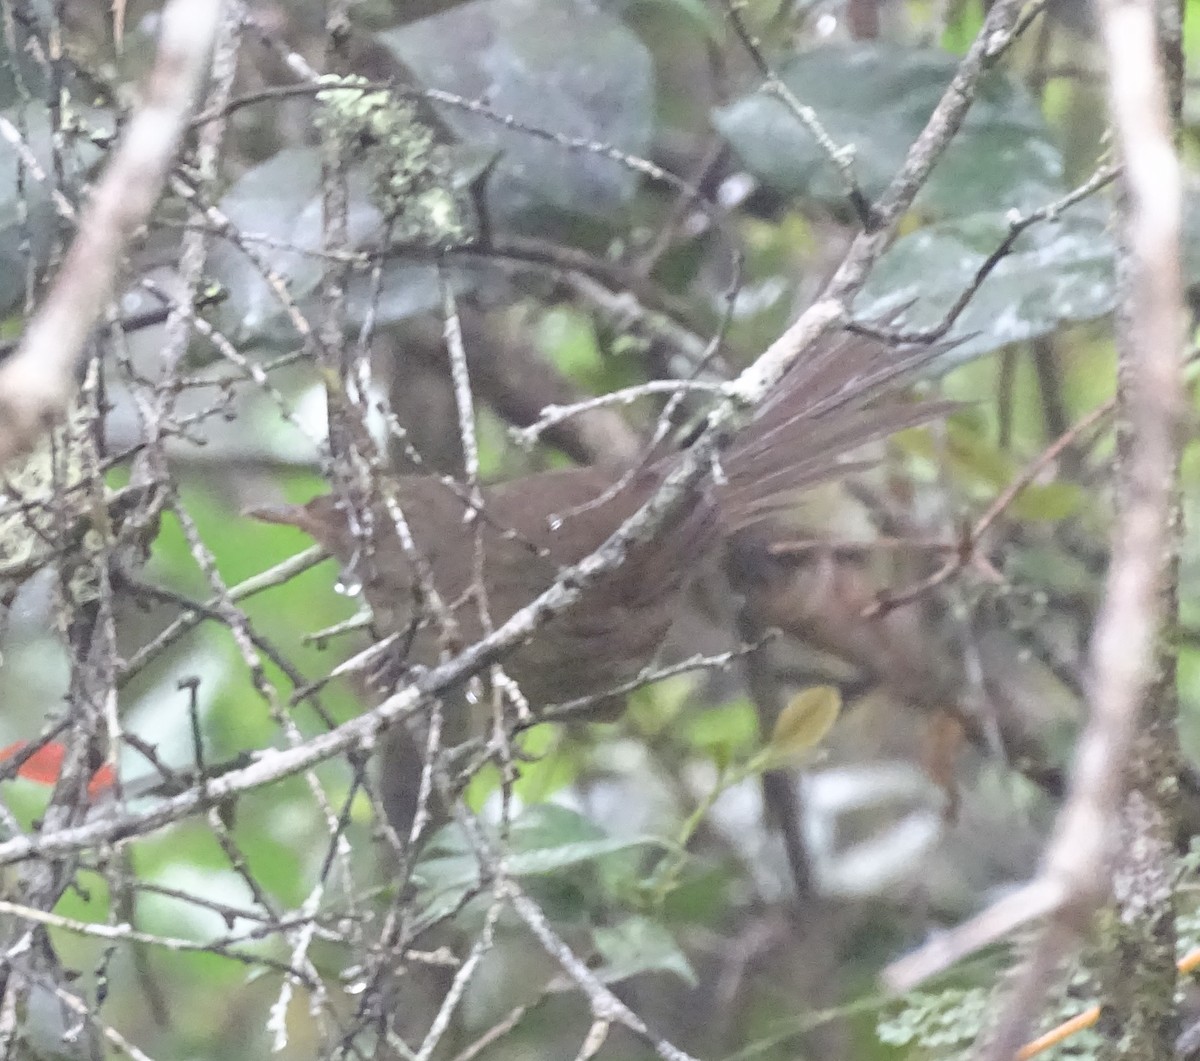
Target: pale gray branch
{"points": [[1151, 410], [38, 380]]}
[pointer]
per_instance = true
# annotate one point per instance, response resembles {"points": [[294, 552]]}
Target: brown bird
{"points": [[530, 528]]}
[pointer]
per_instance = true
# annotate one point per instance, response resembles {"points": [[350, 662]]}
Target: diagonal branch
{"points": [[38, 380]]}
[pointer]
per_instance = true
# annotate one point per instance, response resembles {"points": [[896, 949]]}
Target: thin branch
{"points": [[842, 156], [1017, 225]]}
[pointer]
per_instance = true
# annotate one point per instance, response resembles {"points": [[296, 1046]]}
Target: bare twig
{"points": [[966, 551], [1017, 225], [842, 156]]}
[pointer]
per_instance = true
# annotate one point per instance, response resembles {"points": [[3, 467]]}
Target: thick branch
{"points": [[38, 380], [1125, 646]]}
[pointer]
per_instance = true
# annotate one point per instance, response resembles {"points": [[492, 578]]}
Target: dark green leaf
{"points": [[1059, 271], [560, 65], [543, 840], [28, 219], [639, 945], [280, 199], [695, 13], [877, 98]]}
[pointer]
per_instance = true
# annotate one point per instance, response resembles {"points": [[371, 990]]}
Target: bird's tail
{"points": [[813, 428]]}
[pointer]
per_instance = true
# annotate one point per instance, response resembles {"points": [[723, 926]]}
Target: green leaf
{"points": [[569, 337], [280, 199], [1058, 271], [876, 99], [802, 725], [640, 945], [694, 12], [1048, 502], [543, 840], [29, 225], [976, 457], [561, 65], [724, 733]]}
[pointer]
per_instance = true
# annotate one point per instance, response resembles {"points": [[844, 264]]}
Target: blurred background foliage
{"points": [[581, 269]]}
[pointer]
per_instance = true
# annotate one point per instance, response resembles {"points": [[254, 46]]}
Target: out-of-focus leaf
{"points": [[569, 337], [962, 29], [1048, 502], [26, 242], [877, 98], [186, 863], [543, 840], [281, 831], [551, 765], [560, 65], [658, 706], [724, 733], [802, 725], [976, 457], [639, 945], [277, 199], [280, 200], [702, 893], [693, 12], [1059, 271], [548, 763]]}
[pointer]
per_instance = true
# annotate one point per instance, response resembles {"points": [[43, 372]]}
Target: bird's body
{"points": [[527, 530], [601, 641]]}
